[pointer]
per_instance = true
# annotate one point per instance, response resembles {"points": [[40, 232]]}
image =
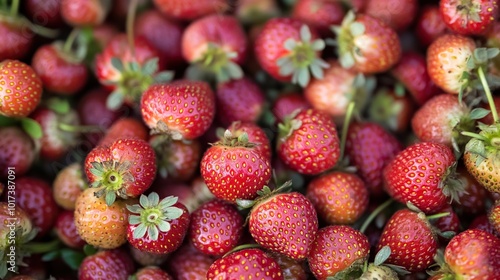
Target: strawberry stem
{"points": [[345, 128], [79, 128], [374, 214], [42, 247], [14, 9], [68, 44], [242, 247], [437, 216], [130, 25], [489, 96], [474, 135]]}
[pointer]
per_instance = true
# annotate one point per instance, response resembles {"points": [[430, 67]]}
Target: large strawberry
{"points": [[190, 9], [106, 264], [182, 109], [469, 17]]}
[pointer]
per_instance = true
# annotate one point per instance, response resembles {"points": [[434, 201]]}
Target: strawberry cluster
{"points": [[249, 139]]}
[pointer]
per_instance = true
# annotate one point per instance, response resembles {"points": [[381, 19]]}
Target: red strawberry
{"points": [[286, 104], [338, 197], [81, 13], [396, 14], [255, 134], [152, 272], [469, 17], [190, 111], [65, 229], [188, 263], [239, 100], [237, 266], [419, 175], [349, 246], [289, 51], [391, 110], [125, 128], [191, 9], [411, 239], [482, 222], [124, 169], [216, 227], [216, 45], [308, 142], [18, 38], [319, 14], [178, 160], [68, 185], [474, 198], [20, 89], [146, 258], [234, 168], [429, 25], [61, 71], [44, 12], [17, 151], [106, 264], [292, 269], [447, 225], [284, 223], [157, 226], [367, 44], [473, 254], [370, 148]]}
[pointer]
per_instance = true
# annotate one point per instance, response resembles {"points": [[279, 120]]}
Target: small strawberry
{"points": [[191, 9], [284, 223], [319, 14], [396, 14], [18, 37], [68, 185], [469, 17], [84, 13], [151, 272], [255, 134], [367, 44], [338, 197], [157, 226], [65, 229], [429, 25], [392, 110], [182, 109], [289, 51], [130, 128], [349, 246], [17, 151], [216, 227], [285, 104], [234, 168], [106, 264], [100, 225], [188, 263], [308, 142], [124, 169], [46, 13], [20, 89], [178, 160], [237, 266]]}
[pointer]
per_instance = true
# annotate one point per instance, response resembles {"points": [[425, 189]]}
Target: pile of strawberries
{"points": [[249, 139]]}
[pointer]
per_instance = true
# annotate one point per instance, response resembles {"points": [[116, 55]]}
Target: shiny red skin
{"points": [[411, 239], [370, 148], [450, 223], [269, 44], [411, 71], [456, 16], [415, 175], [125, 128], [106, 264], [256, 134], [188, 263], [17, 150], [285, 223], [152, 26], [395, 13], [474, 198], [482, 222], [216, 227], [191, 112], [239, 100], [58, 72], [152, 272], [224, 31], [287, 103], [190, 9], [34, 196], [66, 230], [236, 266], [429, 25], [17, 39], [319, 14], [167, 242], [82, 13], [44, 12]]}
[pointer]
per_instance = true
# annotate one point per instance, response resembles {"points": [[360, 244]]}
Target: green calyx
{"points": [[219, 62], [346, 33], [289, 125], [486, 144], [473, 78], [152, 216], [470, 9], [113, 178], [451, 185], [22, 237], [302, 60]]}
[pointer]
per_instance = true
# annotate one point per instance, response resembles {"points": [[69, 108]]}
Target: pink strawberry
{"points": [[106, 264], [429, 25], [17, 151], [66, 230], [190, 9], [319, 14], [396, 14]]}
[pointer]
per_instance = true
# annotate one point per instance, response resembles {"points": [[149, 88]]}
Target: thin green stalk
{"points": [[438, 215], [374, 214], [130, 24], [345, 128], [42, 247], [474, 135], [487, 91], [68, 44], [14, 9]]}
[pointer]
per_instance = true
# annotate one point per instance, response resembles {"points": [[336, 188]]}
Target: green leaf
{"points": [[6, 121], [318, 45], [136, 208], [89, 250], [50, 256], [305, 33], [151, 66], [163, 226], [168, 201], [110, 197], [492, 52], [153, 232], [303, 77], [144, 201], [72, 258], [32, 128], [290, 44], [153, 198], [173, 213], [59, 105], [382, 255], [481, 55], [347, 60], [234, 70], [357, 28], [117, 64], [164, 76], [140, 231], [478, 113], [134, 219]]}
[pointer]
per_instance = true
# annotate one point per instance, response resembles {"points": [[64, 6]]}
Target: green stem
{"points": [[374, 214], [438, 215], [79, 128], [242, 247], [41, 247], [345, 128], [68, 44], [14, 9], [130, 24], [487, 91], [474, 135], [4, 4]]}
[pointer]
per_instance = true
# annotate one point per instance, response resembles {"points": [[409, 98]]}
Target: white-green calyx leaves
{"points": [[153, 216], [113, 178], [219, 63]]}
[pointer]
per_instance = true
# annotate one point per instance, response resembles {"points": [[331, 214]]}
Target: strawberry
{"points": [[82, 13], [482, 222], [378, 272], [20, 89], [125, 128], [367, 44], [216, 227], [392, 110], [308, 142], [370, 148], [429, 25], [396, 14], [284, 223], [68, 185], [422, 174], [289, 51], [17, 151], [411, 239], [106, 264], [239, 100], [494, 216], [216, 45], [349, 246], [411, 71], [234, 168], [338, 197], [255, 134], [157, 226], [469, 17], [146, 258], [124, 169], [45, 13], [66, 231], [191, 9], [256, 11], [61, 71], [151, 272], [188, 263], [190, 113], [474, 198], [319, 14], [473, 254], [236, 266], [18, 38], [97, 223], [178, 160], [286, 104], [448, 225], [292, 269]]}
